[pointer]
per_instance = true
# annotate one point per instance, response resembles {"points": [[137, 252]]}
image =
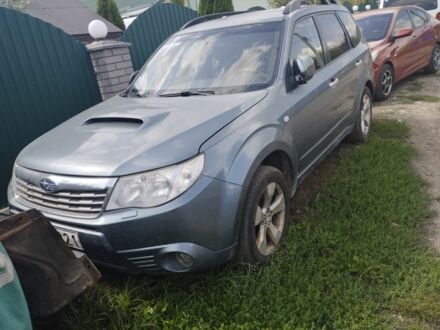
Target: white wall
{"points": [[246, 4], [130, 16], [238, 4]]}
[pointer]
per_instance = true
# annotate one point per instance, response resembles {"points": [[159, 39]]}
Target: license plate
{"points": [[71, 238]]}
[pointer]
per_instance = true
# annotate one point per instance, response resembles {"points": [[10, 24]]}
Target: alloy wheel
{"points": [[366, 114], [270, 219], [387, 82], [436, 58]]}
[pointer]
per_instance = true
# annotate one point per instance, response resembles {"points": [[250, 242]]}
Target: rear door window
{"points": [[418, 17], [353, 30], [402, 21], [333, 36], [306, 41]]}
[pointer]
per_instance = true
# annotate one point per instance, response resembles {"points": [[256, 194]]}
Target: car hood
{"points": [[129, 135]]}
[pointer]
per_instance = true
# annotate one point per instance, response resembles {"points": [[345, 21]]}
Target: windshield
{"points": [[425, 4], [375, 27], [221, 61]]}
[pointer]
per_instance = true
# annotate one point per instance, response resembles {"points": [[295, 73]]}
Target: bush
{"points": [[179, 2], [109, 10], [278, 3], [207, 7]]}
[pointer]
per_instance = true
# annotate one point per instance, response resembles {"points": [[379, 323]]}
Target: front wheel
{"points": [[386, 83], [265, 216], [434, 65], [362, 124]]}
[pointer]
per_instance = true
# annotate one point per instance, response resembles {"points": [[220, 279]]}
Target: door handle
{"points": [[358, 62], [333, 82]]}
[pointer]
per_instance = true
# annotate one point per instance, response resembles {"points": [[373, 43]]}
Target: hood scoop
{"points": [[112, 124]]}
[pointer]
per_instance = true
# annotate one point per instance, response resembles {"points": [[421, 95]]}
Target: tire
{"points": [[270, 227], [385, 84], [362, 125], [434, 65]]}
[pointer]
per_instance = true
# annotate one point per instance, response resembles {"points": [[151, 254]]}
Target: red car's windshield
{"points": [[425, 4], [374, 27]]}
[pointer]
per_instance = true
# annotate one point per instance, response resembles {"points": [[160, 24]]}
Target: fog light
{"points": [[185, 260]]}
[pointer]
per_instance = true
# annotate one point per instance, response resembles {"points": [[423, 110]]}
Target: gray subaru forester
{"points": [[196, 162]]}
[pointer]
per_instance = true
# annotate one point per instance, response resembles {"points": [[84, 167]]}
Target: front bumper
{"points": [[201, 223]]}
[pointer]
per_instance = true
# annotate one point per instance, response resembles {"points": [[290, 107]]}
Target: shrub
{"points": [[109, 10]]}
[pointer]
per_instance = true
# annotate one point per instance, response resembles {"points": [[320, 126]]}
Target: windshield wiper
{"points": [[188, 93]]}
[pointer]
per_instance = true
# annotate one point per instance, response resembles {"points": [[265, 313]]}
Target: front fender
{"points": [[235, 158], [255, 149]]}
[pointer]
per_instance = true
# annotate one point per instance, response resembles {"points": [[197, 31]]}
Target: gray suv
{"points": [[196, 162]]}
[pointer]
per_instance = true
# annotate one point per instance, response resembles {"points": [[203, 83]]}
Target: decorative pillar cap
{"points": [[106, 44]]}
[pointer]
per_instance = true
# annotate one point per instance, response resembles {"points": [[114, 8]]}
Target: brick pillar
{"points": [[113, 66]]}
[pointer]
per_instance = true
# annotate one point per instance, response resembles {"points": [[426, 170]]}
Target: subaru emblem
{"points": [[48, 185]]}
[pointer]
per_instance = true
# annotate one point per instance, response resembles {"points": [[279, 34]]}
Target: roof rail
{"points": [[296, 4], [210, 17]]}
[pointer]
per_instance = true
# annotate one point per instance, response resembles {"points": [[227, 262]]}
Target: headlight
{"points": [[374, 55], [156, 187]]}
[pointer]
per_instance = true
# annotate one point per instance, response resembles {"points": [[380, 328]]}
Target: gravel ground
{"points": [[417, 102]]}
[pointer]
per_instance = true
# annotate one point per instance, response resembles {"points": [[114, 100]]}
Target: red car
{"points": [[402, 40]]}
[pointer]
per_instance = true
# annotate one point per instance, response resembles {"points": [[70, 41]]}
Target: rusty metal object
{"points": [[49, 272]]}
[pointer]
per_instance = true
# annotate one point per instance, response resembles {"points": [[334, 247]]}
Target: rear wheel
{"points": [[434, 65], [362, 125], [386, 83], [265, 216]]}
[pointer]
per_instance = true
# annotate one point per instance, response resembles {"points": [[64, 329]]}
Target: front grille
{"points": [[82, 204]]}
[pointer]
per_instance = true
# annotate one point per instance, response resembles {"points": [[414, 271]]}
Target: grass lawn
{"points": [[410, 99], [356, 260]]}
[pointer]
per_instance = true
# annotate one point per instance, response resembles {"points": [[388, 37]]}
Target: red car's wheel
{"points": [[434, 65], [386, 83]]}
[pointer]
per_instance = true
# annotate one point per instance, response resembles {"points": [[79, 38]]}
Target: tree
{"points": [[109, 10], [207, 7], [222, 6], [179, 2], [278, 3]]}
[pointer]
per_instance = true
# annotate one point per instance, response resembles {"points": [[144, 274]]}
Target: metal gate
{"points": [[152, 27], [46, 77]]}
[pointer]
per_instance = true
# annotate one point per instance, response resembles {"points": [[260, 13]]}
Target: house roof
{"points": [[72, 16]]}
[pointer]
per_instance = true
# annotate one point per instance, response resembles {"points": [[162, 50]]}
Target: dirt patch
{"points": [[417, 102], [309, 189]]}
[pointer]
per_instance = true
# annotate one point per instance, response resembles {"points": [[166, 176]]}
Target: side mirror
{"points": [[300, 72], [402, 33], [438, 16], [304, 69], [132, 77]]}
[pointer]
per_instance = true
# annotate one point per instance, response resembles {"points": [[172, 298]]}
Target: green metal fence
{"points": [[46, 77], [152, 27]]}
